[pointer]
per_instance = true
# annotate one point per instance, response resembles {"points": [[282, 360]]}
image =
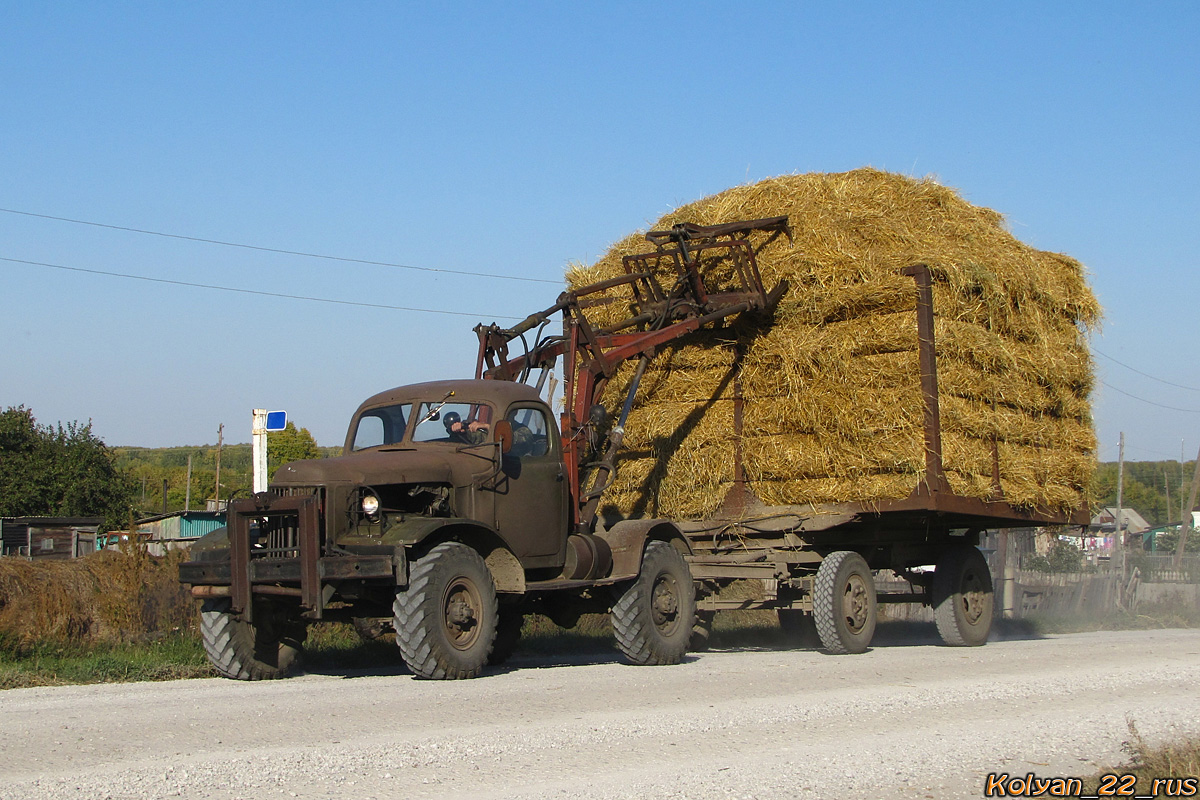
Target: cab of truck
{"points": [[428, 456]]}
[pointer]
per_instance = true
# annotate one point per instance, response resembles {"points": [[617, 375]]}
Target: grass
{"points": [[51, 664], [1176, 761]]}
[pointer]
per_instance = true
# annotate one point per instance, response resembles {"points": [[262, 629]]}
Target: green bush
{"points": [[1063, 557]]}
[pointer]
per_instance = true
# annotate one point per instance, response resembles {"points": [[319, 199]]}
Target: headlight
{"points": [[370, 505]]}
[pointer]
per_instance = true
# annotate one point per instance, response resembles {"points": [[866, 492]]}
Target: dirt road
{"points": [[899, 721]]}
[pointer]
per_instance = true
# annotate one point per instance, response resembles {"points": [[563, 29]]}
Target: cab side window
{"points": [[531, 434], [369, 433]]}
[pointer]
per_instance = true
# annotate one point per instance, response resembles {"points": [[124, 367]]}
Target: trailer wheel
{"points": [[268, 648], [962, 597], [844, 603], [508, 634], [653, 618], [447, 616]]}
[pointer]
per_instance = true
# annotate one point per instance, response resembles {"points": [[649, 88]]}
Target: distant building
{"points": [[1103, 528], [48, 537], [169, 531]]}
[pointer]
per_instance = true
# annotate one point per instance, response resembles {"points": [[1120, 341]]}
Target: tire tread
{"points": [[417, 603]]}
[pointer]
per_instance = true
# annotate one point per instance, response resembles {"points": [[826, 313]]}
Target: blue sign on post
{"points": [[276, 420]]}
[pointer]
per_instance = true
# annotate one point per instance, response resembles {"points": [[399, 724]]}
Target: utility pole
{"points": [[187, 495], [1167, 489], [1185, 524], [220, 442], [1118, 551]]}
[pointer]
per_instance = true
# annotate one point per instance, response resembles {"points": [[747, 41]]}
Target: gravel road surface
{"points": [[918, 721]]}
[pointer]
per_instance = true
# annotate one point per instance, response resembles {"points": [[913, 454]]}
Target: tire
{"points": [[446, 618], [962, 597], [508, 634], [798, 628], [844, 606], [654, 615], [701, 631], [266, 649]]}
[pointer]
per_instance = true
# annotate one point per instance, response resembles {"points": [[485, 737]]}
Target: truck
{"points": [[460, 506]]}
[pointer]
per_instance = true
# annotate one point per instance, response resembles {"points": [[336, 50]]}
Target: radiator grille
{"points": [[277, 536]]}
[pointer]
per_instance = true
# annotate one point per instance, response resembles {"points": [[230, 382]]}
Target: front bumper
{"points": [[287, 556]]}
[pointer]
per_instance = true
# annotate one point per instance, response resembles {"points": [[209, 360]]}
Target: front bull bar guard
{"points": [[306, 512]]}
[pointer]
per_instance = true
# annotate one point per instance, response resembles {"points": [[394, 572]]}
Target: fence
{"points": [[1147, 579], [1162, 569]]}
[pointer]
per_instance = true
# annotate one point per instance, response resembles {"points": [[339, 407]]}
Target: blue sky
{"points": [[514, 138]]}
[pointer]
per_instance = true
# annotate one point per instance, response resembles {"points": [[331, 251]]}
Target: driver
{"points": [[474, 432]]}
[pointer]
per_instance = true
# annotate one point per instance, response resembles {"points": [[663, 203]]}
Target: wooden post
{"points": [[1000, 580], [1118, 551]]}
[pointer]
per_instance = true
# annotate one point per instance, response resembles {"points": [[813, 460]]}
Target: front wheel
{"points": [[269, 647], [654, 616], [844, 603], [446, 617], [962, 597]]}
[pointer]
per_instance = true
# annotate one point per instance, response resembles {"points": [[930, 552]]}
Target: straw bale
{"points": [[833, 406]]}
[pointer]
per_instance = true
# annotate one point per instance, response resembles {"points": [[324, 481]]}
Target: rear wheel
{"points": [[270, 647], [962, 597], [653, 618], [844, 603], [446, 618]]}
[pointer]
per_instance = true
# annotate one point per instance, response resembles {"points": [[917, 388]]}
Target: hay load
{"points": [[833, 404]]}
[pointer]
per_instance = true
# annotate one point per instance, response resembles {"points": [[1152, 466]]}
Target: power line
{"points": [[1161, 455], [250, 291], [1145, 374], [1150, 402], [278, 250]]}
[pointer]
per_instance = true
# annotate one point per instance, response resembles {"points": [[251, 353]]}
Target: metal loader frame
{"points": [[714, 275]]}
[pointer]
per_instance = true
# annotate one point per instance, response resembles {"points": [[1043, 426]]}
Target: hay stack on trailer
{"points": [[833, 409]]}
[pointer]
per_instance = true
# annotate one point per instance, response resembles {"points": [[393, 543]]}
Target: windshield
{"points": [[461, 423], [380, 426]]}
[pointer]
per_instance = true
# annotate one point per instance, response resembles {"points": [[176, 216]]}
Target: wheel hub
{"points": [[855, 603], [665, 602], [460, 614], [972, 597], [460, 618]]}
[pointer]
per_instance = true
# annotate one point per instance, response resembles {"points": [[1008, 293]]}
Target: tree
{"points": [[58, 471], [289, 444], [1145, 488]]}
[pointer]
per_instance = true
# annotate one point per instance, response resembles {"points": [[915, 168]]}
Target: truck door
{"points": [[531, 504]]}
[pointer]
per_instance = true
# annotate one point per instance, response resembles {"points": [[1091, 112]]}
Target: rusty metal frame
{"points": [[306, 512], [592, 355], [935, 475]]}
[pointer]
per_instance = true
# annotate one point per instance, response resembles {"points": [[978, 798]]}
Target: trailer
{"points": [[459, 507]]}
